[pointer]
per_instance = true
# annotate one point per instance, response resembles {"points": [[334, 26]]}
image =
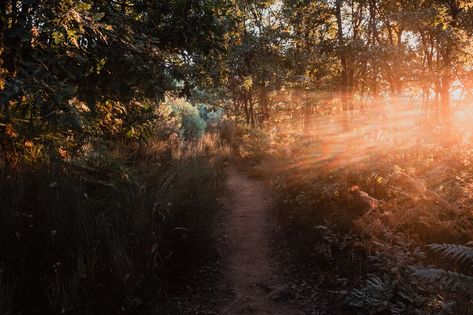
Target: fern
{"points": [[376, 296], [450, 280], [456, 253]]}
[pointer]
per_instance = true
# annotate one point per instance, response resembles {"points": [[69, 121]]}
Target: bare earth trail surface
{"points": [[250, 266]]}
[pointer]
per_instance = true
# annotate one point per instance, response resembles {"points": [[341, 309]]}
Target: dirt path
{"points": [[250, 265]]}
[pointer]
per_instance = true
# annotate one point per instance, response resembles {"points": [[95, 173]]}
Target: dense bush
{"points": [[192, 124], [210, 114]]}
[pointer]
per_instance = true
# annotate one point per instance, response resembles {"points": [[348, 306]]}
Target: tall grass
{"points": [[108, 233]]}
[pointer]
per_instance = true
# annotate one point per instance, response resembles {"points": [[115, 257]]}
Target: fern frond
{"points": [[377, 296], [448, 279], [457, 253]]}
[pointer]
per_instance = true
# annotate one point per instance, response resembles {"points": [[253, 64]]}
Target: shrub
{"points": [[192, 124], [250, 145], [212, 116]]}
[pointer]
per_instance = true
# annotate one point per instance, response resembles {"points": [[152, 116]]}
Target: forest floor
{"points": [[251, 273]]}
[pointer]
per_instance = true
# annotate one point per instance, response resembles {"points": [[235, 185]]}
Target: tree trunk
{"points": [[372, 42], [252, 111], [265, 112], [3, 24], [445, 98], [307, 119], [246, 108], [343, 61]]}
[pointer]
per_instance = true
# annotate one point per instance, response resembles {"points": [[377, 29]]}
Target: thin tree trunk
{"points": [[246, 108], [343, 61], [265, 111], [252, 112], [445, 99]]}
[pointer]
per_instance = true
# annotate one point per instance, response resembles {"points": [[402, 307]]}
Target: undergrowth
{"points": [[363, 229], [109, 231]]}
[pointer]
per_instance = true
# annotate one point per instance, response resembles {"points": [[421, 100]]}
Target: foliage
{"points": [[254, 145], [101, 194], [211, 116], [73, 69], [451, 280], [192, 123], [249, 145], [110, 113], [365, 223], [103, 228], [376, 297], [457, 253]]}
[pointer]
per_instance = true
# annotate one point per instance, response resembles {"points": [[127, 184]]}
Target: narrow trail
{"points": [[250, 267]]}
